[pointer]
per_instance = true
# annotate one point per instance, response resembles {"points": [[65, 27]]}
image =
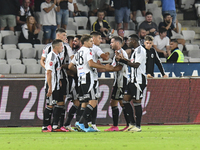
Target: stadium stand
{"points": [[8, 46], [2, 54], [13, 54], [4, 68], [18, 69]]}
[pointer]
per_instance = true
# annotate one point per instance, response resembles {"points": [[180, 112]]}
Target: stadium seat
{"points": [[4, 68], [128, 32], [110, 19], [131, 26], [13, 54], [190, 47], [10, 39], [83, 7], [71, 32], [151, 7], [28, 53], [8, 46], [194, 60], [40, 35], [14, 61], [140, 19], [3, 61], [104, 46], [72, 26], [2, 54], [194, 54], [5, 33], [29, 61], [188, 35], [81, 22], [33, 69], [43, 70], [187, 4], [17, 33], [113, 25], [24, 45], [83, 32], [39, 46], [92, 19], [18, 69], [180, 46], [163, 60]]}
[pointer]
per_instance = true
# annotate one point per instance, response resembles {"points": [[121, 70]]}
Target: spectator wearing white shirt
{"points": [[161, 43], [74, 11], [48, 11]]}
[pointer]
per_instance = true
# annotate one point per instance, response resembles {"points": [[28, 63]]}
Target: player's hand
{"points": [[149, 76], [165, 54], [109, 67], [165, 76], [49, 92]]}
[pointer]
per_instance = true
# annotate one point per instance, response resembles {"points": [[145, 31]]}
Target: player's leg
{"points": [[47, 113]]}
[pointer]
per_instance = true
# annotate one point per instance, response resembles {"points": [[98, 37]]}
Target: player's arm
{"points": [[72, 67], [129, 63], [159, 64], [105, 56], [49, 83], [42, 62]]}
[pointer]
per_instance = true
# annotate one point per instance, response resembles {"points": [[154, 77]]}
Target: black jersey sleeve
{"points": [[158, 63]]}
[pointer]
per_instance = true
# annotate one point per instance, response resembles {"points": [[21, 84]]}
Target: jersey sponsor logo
{"points": [[82, 74], [90, 53], [152, 55], [51, 63]]}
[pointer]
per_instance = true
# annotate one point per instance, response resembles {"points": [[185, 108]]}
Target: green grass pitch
{"points": [[155, 137]]}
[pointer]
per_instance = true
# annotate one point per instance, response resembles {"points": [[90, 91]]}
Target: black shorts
{"points": [[64, 86], [72, 91], [87, 91], [55, 97], [138, 5], [118, 92], [135, 90]]}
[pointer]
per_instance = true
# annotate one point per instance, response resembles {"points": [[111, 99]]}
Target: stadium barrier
{"points": [[166, 101]]}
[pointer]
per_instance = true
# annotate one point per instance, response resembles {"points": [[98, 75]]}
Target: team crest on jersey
{"points": [[132, 60], [90, 53], [152, 55], [61, 58], [51, 63]]}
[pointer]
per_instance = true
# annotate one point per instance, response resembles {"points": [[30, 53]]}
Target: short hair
{"points": [[134, 37], [95, 33], [60, 30], [162, 30], [166, 14], [148, 38], [85, 38], [174, 40], [78, 36], [100, 11], [148, 13], [70, 37], [56, 42], [118, 39]]}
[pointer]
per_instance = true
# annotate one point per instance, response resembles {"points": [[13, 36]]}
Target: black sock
{"points": [[57, 114], [62, 117], [126, 117], [115, 114], [78, 113], [81, 112], [47, 116], [70, 115], [94, 115], [138, 114], [129, 111], [86, 114]]}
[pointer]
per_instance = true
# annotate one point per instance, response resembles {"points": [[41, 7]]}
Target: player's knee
{"points": [[113, 103], [60, 103], [50, 106], [76, 103]]}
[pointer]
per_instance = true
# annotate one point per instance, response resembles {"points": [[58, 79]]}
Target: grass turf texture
{"points": [[164, 137]]}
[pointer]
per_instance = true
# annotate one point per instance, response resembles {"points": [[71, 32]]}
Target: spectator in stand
{"points": [[37, 10], [102, 26], [31, 2], [167, 24], [137, 5], [176, 55], [48, 11], [111, 9], [168, 6], [25, 11], [142, 33], [74, 11], [150, 26], [63, 15], [161, 43], [96, 5], [29, 32], [122, 13], [120, 32], [8, 12]]}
